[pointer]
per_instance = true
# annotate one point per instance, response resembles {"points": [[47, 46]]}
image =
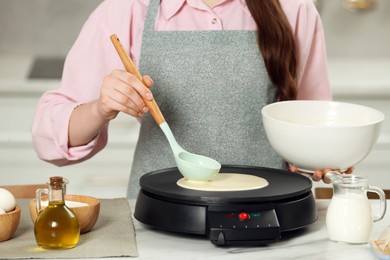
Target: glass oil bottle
{"points": [[56, 226]]}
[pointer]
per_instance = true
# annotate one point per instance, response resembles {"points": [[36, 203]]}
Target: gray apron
{"points": [[210, 86]]}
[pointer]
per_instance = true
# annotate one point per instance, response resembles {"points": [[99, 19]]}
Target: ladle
{"points": [[192, 166]]}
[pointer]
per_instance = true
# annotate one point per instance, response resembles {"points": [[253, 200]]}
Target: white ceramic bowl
{"points": [[321, 134]]}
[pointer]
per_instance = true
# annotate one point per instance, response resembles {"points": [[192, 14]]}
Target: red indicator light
{"points": [[229, 215], [243, 216]]}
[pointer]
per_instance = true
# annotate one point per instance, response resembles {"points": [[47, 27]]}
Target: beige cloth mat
{"points": [[112, 236]]}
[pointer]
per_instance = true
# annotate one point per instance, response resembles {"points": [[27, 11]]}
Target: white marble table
{"points": [[313, 243]]}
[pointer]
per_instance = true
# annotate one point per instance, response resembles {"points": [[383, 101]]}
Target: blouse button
{"points": [[214, 21]]}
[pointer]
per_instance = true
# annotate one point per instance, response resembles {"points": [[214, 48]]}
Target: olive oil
{"points": [[56, 226]]}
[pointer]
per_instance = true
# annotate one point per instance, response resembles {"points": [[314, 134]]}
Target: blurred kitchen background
{"points": [[37, 34]]}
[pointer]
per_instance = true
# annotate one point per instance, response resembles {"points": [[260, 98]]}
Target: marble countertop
{"points": [[312, 243]]}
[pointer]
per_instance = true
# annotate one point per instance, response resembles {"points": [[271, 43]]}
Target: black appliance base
{"points": [[254, 219]]}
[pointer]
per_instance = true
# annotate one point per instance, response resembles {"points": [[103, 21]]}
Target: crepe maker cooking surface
{"points": [[250, 217]]}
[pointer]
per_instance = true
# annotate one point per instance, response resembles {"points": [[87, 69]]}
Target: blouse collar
{"points": [[169, 8]]}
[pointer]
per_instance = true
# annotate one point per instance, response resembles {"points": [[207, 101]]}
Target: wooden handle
{"points": [[130, 67]]}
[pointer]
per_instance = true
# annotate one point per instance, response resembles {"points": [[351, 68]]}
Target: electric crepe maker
{"points": [[248, 217]]}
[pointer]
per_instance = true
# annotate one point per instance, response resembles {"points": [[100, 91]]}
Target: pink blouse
{"points": [[92, 57]]}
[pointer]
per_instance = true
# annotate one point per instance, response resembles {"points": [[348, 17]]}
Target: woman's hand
{"points": [[120, 92], [123, 92], [319, 175]]}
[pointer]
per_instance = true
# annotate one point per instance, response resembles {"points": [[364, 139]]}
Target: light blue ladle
{"points": [[192, 166]]}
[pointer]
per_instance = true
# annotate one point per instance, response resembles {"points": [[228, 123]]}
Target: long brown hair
{"points": [[277, 45]]}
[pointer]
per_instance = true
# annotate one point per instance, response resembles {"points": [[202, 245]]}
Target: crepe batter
{"points": [[226, 182]]}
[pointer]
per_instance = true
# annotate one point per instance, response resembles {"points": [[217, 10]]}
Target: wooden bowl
{"points": [[9, 222], [87, 215]]}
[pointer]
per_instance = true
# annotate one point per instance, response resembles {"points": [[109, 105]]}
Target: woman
{"points": [[213, 66]]}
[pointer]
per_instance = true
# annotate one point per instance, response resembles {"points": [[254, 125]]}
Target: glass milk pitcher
{"points": [[349, 218]]}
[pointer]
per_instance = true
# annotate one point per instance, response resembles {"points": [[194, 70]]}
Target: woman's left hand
{"points": [[319, 175]]}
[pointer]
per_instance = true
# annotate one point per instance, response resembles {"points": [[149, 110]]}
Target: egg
{"points": [[7, 200], [2, 211]]}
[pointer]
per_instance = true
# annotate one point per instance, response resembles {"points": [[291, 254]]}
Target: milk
{"points": [[349, 218]]}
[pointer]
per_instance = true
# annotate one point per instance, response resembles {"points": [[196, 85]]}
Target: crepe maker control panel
{"points": [[245, 224]]}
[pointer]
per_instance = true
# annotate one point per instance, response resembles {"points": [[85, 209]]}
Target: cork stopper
{"points": [[56, 182]]}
